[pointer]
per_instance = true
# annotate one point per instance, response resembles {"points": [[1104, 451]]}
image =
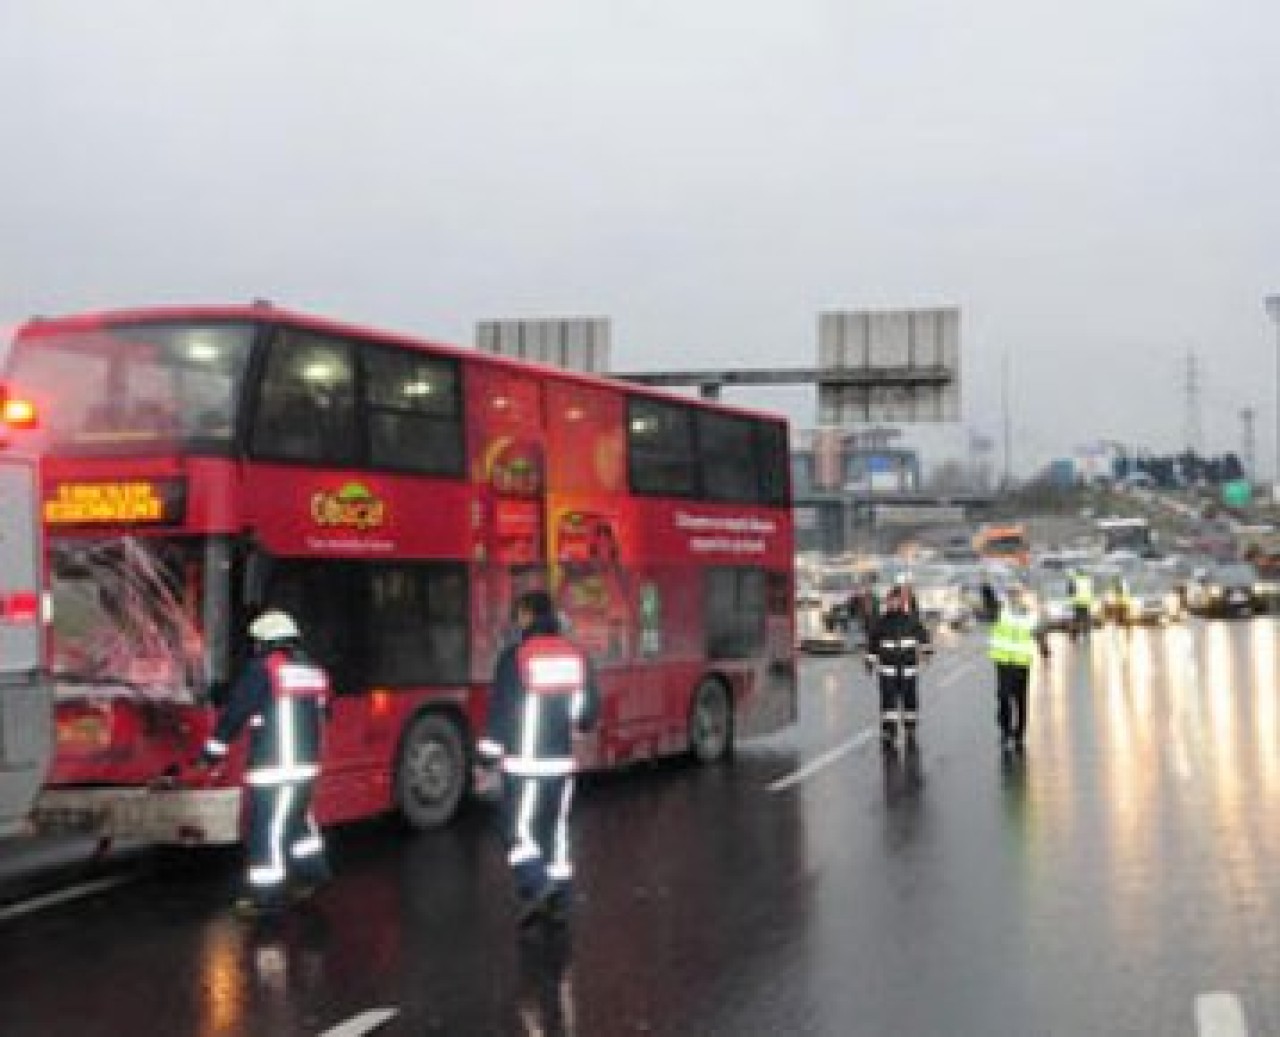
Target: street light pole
{"points": [[1008, 425], [1272, 304]]}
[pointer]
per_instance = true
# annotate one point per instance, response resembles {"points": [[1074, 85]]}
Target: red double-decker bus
{"points": [[393, 495]]}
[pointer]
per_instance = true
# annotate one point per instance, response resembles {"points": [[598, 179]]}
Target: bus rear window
{"points": [[113, 388]]}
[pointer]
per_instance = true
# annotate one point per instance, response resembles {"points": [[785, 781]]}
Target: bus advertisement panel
{"points": [[394, 496]]}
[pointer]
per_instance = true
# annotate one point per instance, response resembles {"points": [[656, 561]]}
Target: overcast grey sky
{"points": [[1095, 183]]}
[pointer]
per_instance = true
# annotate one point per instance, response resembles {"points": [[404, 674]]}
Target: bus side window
{"points": [[660, 448], [730, 469], [306, 406]]}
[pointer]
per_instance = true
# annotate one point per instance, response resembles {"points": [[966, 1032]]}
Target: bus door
{"points": [[26, 718], [509, 472]]}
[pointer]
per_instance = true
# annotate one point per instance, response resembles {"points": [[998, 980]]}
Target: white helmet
{"points": [[274, 625]]}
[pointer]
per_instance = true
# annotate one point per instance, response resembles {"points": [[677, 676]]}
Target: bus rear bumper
{"points": [[185, 817]]}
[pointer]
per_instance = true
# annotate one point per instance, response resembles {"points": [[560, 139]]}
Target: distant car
{"points": [[1152, 598], [959, 549], [814, 630], [1267, 588], [940, 597], [834, 587], [1230, 589], [1056, 603], [1108, 580]]}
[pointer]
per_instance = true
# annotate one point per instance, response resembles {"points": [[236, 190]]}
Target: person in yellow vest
{"points": [[1081, 604], [1015, 640]]}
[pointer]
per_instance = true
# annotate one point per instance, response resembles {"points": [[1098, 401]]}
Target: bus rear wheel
{"points": [[711, 722], [431, 771]]}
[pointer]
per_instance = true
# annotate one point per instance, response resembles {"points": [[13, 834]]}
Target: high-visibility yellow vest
{"points": [[1082, 591], [1013, 638]]}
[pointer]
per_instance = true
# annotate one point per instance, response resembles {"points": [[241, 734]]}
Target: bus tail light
{"points": [[18, 414], [20, 607]]}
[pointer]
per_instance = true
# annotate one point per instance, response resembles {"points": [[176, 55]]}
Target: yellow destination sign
{"points": [[81, 503]]}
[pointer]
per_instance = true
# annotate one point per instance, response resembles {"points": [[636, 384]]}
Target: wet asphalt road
{"points": [[1125, 867]]}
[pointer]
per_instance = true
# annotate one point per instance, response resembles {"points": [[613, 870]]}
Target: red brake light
{"points": [[18, 413], [20, 607]]}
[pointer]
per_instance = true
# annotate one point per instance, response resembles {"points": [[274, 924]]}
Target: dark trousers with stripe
{"points": [[284, 842], [898, 693], [1011, 699], [536, 824]]}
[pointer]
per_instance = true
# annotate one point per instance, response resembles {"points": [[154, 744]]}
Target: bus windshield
{"points": [[117, 387], [139, 615]]}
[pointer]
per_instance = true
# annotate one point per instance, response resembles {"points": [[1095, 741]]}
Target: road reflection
{"points": [[223, 983], [546, 1001], [1266, 687]]}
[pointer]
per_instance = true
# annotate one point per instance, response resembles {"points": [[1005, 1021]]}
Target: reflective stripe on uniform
{"points": [[526, 847], [555, 671], [532, 767], [561, 870], [215, 748], [532, 716], [282, 775], [273, 873], [523, 853], [295, 677]]}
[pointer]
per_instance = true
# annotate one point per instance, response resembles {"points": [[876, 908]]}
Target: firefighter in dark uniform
{"points": [[898, 643], [282, 697], [543, 692]]}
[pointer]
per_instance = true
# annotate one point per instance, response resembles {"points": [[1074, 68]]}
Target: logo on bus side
{"points": [[352, 507]]}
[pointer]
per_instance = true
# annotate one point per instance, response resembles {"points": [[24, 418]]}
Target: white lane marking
{"points": [[826, 759], [1218, 1014], [365, 1022], [61, 896]]}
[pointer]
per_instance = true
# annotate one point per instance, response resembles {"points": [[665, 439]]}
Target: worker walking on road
{"points": [[896, 646], [1015, 640], [543, 693], [1081, 604], [282, 696]]}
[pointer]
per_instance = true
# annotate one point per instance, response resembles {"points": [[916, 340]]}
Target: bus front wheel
{"points": [[711, 722], [432, 771]]}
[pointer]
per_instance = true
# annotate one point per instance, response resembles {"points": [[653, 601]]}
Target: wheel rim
{"points": [[431, 771]]}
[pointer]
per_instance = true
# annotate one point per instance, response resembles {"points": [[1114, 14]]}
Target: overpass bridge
{"points": [[711, 382]]}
